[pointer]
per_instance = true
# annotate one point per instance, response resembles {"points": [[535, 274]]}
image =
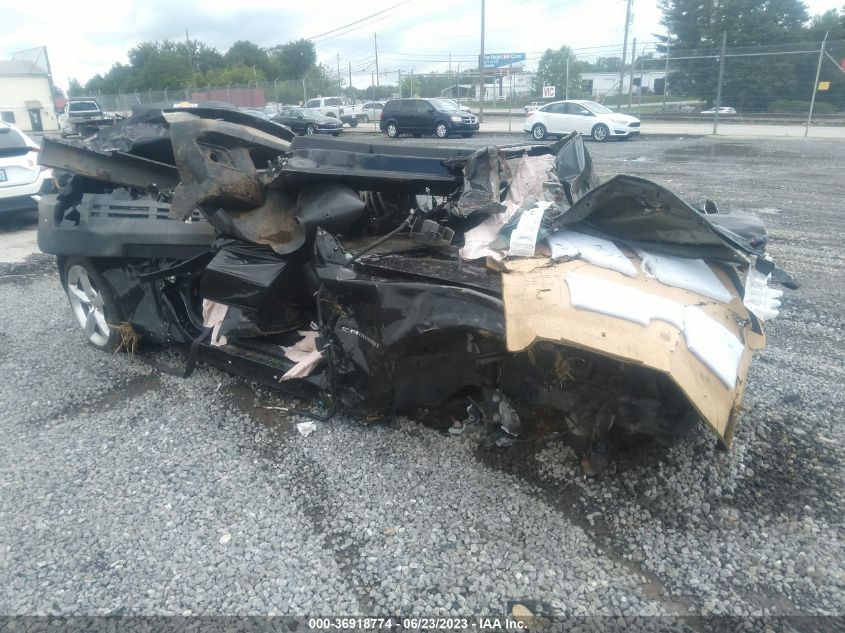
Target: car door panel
{"points": [[557, 121], [582, 119]]}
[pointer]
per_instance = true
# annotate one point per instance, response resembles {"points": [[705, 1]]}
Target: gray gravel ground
{"points": [[126, 491]]}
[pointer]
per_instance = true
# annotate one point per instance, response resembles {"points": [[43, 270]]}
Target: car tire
{"points": [[335, 133], [92, 303], [441, 130], [392, 129], [366, 118], [600, 133], [353, 123], [539, 132], [310, 130]]}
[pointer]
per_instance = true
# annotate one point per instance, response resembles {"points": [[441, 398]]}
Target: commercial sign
{"points": [[497, 60], [548, 92]]}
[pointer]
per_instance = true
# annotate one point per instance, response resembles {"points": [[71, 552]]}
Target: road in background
{"points": [[499, 124]]}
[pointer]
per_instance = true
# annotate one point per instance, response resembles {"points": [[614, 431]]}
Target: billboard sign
{"points": [[497, 60], [548, 92]]}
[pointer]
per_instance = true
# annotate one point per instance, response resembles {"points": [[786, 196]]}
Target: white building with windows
{"points": [[26, 100], [602, 84]]}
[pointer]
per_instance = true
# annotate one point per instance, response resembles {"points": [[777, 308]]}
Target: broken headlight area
{"points": [[504, 285]]}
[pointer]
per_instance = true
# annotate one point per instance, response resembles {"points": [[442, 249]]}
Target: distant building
{"points": [[499, 89], [602, 84], [26, 100]]}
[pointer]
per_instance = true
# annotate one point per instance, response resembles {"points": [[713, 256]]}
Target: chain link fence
{"points": [[772, 84]]}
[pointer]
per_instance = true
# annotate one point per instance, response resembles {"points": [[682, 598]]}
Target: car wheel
{"points": [[310, 130], [392, 130], [366, 118], [353, 123], [600, 133], [93, 304], [441, 131], [539, 131], [335, 133]]}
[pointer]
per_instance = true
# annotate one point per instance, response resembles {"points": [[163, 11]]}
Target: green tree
{"points": [[606, 65], [750, 83], [551, 71], [291, 60], [238, 74], [246, 53]]}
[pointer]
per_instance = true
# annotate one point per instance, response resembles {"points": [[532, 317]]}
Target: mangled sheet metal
{"points": [[638, 320], [359, 271]]}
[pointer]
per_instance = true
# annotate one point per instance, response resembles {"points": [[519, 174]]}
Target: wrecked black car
{"points": [[503, 284]]}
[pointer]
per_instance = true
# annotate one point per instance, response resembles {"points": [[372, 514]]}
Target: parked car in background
{"points": [[674, 108], [83, 117], [588, 118], [22, 179], [371, 111], [533, 106], [259, 112], [308, 121], [721, 109], [426, 116], [335, 107]]}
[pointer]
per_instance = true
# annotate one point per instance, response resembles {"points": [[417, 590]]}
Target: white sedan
{"points": [[588, 118], [372, 111], [22, 179], [722, 110]]}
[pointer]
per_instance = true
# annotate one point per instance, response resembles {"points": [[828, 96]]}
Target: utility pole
{"points": [[350, 77], [338, 73], [375, 44], [816, 85], [719, 86], [642, 72], [565, 90], [190, 55], [624, 53], [481, 70], [666, 73], [631, 74]]}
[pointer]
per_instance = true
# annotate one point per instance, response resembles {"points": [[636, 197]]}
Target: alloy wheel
{"points": [[87, 304]]}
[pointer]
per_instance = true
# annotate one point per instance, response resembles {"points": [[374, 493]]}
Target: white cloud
{"points": [[418, 35]]}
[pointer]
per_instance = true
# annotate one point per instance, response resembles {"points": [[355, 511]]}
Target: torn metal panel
{"points": [[643, 213], [368, 167], [538, 307], [115, 167], [216, 162]]}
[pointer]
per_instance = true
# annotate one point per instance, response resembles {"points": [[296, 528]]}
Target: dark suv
{"points": [[426, 116]]}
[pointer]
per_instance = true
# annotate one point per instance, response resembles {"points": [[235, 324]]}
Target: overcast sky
{"points": [[87, 36]]}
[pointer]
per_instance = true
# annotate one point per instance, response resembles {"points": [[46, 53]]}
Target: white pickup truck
{"points": [[335, 107], [83, 117]]}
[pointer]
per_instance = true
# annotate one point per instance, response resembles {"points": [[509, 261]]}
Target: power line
{"points": [[340, 28]]}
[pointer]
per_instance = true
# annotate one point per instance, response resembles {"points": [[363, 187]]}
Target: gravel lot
{"points": [[126, 491]]}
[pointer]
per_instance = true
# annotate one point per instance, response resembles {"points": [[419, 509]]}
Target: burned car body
{"points": [[361, 271]]}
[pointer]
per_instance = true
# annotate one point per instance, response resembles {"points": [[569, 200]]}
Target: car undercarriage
{"points": [[503, 285]]}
